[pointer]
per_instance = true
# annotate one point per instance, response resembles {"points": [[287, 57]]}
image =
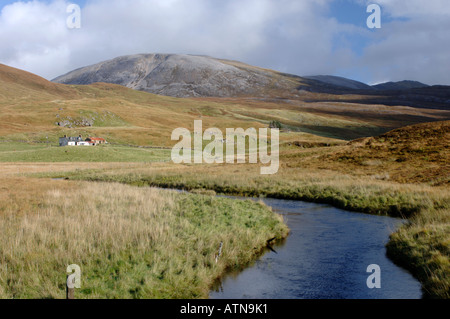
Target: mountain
{"points": [[179, 75], [184, 76], [401, 85], [340, 82]]}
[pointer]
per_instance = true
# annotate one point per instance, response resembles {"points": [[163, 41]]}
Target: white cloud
{"points": [[34, 37], [416, 48], [288, 35]]}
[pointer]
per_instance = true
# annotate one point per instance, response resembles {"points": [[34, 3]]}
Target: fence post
{"points": [[70, 287], [220, 252]]}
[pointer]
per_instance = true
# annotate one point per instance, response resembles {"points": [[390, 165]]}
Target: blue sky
{"points": [[353, 13], [303, 37], [350, 12]]}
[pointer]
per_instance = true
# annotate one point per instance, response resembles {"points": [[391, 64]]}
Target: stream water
{"points": [[325, 257]]}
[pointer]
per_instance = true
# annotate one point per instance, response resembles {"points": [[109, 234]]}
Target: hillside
{"points": [[413, 154], [34, 109], [15, 83]]}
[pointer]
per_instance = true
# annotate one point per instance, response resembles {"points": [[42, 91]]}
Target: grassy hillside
{"points": [[18, 85], [412, 154], [33, 109]]}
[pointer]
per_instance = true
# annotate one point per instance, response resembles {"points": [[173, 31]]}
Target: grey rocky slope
{"points": [[201, 76], [184, 76]]}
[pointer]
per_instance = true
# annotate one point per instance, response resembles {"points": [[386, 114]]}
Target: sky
{"points": [[302, 37]]}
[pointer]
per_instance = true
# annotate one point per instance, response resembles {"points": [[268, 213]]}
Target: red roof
{"points": [[97, 139]]}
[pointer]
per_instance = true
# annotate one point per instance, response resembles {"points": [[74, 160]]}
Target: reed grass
{"points": [[129, 242]]}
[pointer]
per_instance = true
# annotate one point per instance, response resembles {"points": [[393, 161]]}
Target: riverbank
{"points": [[423, 247], [129, 242]]}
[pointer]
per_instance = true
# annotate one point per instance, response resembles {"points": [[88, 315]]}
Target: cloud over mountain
{"points": [[299, 37]]}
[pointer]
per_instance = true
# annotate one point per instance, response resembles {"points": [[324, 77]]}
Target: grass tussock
{"points": [[129, 242], [423, 247]]}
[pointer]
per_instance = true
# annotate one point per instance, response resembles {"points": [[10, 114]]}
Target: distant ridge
{"points": [[401, 85], [340, 82]]}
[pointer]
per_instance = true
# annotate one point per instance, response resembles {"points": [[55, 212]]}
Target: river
{"points": [[325, 257]]}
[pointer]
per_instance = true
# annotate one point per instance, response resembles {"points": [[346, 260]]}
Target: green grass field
{"points": [[41, 153]]}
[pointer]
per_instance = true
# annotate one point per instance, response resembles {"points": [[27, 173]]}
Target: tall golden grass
{"points": [[129, 242]]}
